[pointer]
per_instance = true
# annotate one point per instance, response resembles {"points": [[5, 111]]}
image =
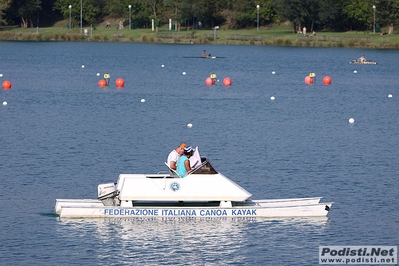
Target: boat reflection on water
{"points": [[140, 229], [196, 240], [207, 223]]}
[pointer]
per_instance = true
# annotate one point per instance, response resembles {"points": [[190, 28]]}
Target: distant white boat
{"points": [[202, 193], [355, 62]]}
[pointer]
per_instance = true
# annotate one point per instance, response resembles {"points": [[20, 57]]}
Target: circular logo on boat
{"points": [[174, 186]]}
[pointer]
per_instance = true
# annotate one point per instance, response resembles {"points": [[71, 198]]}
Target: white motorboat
{"points": [[202, 193]]}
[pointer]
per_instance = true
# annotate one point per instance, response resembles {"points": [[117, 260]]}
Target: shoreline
{"points": [[227, 37]]}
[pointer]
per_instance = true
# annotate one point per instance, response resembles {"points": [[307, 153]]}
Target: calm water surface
{"points": [[61, 135]]}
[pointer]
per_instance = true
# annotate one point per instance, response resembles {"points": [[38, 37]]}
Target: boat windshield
{"points": [[205, 168]]}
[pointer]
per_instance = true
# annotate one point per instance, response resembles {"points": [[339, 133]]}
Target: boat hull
{"points": [[300, 207], [86, 203], [363, 63]]}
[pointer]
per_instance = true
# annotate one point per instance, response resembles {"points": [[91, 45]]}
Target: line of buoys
{"points": [[120, 82], [6, 85], [211, 80], [312, 77]]}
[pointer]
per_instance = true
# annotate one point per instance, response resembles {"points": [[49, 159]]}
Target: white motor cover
{"points": [[107, 190]]}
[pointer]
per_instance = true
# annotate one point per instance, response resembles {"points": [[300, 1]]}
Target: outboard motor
{"points": [[108, 193]]}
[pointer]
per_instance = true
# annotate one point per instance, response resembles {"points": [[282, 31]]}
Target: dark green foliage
{"points": [[318, 15]]}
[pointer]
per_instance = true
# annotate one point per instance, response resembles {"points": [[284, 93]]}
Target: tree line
{"points": [[332, 15]]}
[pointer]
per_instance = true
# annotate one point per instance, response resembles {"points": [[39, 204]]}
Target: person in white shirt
{"points": [[174, 156], [362, 59]]}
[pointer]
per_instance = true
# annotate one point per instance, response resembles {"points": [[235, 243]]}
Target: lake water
{"points": [[61, 135]]}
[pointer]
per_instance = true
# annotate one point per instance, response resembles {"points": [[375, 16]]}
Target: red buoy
{"points": [[309, 80], [120, 82], [7, 85], [326, 80], [102, 83], [227, 81], [209, 81]]}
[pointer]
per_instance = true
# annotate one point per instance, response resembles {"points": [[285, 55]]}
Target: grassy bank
{"points": [[279, 35]]}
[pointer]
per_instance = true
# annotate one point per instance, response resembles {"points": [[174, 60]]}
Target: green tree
{"points": [[244, 13], [387, 12], [155, 6], [4, 5], [27, 11], [359, 14], [290, 10], [89, 9], [177, 10], [330, 15], [210, 12]]}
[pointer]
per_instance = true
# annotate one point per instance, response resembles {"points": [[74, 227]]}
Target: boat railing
{"points": [[173, 173]]}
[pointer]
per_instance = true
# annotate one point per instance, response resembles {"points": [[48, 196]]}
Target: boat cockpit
{"points": [[205, 168]]}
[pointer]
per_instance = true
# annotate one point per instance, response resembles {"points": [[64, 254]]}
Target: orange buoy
{"points": [[309, 80], [227, 81], [209, 81], [326, 80], [102, 83], [6, 85], [120, 82]]}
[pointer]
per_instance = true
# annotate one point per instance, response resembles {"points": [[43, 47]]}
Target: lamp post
{"points": [[257, 17], [130, 17], [70, 17], [374, 19], [81, 20]]}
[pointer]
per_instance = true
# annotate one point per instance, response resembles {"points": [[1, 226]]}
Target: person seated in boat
{"points": [[362, 59], [204, 54], [183, 164], [174, 155]]}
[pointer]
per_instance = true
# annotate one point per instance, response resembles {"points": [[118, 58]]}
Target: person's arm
{"points": [[187, 165], [172, 165]]}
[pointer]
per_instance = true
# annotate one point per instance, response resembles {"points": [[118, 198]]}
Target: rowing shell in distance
{"points": [[363, 63], [208, 57]]}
